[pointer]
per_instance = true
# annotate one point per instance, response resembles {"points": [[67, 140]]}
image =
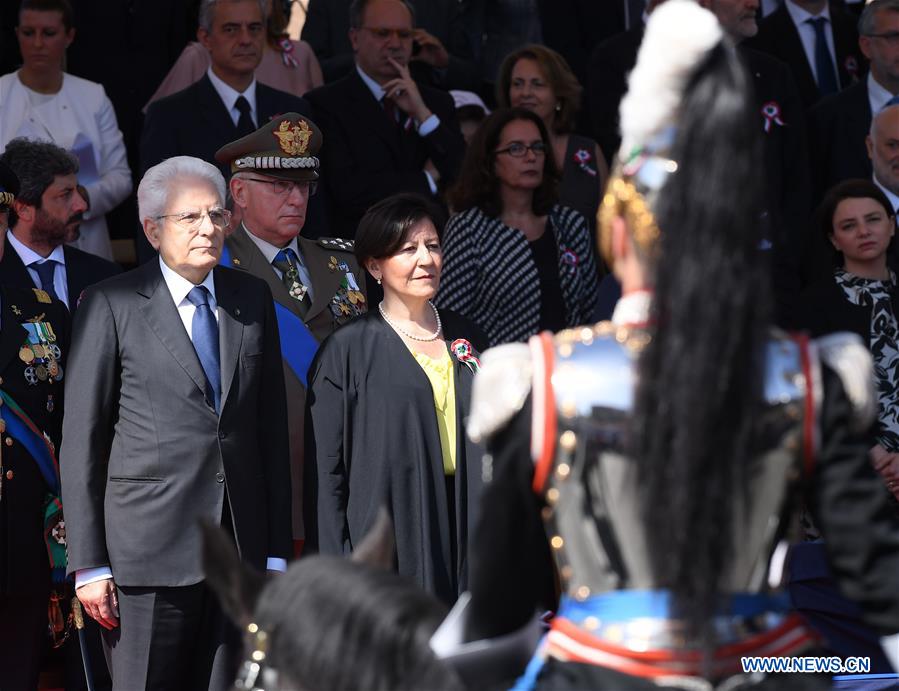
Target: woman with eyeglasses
{"points": [[516, 262], [538, 78]]}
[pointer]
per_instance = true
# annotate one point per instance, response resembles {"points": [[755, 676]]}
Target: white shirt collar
{"points": [[632, 309], [877, 95], [372, 85], [29, 256], [229, 96], [800, 15], [179, 286], [269, 251], [894, 200]]}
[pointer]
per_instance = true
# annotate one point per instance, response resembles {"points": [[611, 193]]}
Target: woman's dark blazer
{"points": [[372, 441], [824, 308]]}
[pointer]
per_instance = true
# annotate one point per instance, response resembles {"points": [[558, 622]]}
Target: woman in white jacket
{"points": [[41, 101]]}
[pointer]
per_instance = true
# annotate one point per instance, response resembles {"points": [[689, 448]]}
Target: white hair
{"points": [[678, 35], [160, 181]]}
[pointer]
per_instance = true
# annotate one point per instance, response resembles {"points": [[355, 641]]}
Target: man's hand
{"points": [[432, 51], [100, 602], [403, 91]]}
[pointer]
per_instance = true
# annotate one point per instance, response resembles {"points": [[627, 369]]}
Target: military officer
{"points": [[316, 284], [33, 344]]}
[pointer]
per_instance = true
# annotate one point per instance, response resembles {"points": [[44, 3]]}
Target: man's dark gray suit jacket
{"points": [[145, 455]]}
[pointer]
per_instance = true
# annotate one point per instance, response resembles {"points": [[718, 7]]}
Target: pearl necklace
{"points": [[432, 337]]}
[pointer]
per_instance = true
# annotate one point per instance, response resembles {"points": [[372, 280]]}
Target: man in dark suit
{"points": [[818, 42], [316, 284], [227, 103], [839, 124], [180, 418], [48, 210], [383, 133], [448, 33], [33, 342], [779, 117]]}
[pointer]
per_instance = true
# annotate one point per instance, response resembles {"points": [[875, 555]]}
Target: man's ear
{"points": [[378, 547], [152, 230], [237, 585], [354, 38], [238, 192], [25, 212], [869, 143], [203, 37]]}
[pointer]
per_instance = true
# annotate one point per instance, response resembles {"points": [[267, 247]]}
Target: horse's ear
{"points": [[378, 547], [237, 585]]}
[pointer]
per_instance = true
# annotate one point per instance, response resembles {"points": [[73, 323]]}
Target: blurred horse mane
{"points": [[330, 623]]}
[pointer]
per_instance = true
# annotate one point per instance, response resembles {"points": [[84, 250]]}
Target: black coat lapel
{"points": [[231, 313], [12, 333], [13, 270], [215, 112], [161, 314], [370, 111]]}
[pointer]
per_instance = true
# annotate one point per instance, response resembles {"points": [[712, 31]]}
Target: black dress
{"points": [[373, 440]]}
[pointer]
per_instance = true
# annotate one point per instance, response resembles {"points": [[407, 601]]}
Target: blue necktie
{"points": [[45, 272], [204, 331], [827, 80]]}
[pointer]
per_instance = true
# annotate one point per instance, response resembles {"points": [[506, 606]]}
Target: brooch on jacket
{"points": [[464, 353]]}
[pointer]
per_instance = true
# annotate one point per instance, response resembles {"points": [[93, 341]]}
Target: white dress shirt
{"points": [[807, 35], [877, 95], [229, 97], [178, 287], [269, 251], [29, 258]]}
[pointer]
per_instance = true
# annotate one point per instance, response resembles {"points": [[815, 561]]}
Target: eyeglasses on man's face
{"points": [[891, 37], [383, 33], [283, 187], [193, 220], [519, 149]]}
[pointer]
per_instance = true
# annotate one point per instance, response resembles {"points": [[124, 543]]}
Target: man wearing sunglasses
{"points": [[316, 284]]}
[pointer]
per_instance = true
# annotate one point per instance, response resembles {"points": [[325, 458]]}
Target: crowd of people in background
{"points": [[409, 183]]}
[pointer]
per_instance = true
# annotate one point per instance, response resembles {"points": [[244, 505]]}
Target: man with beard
{"points": [[46, 215]]}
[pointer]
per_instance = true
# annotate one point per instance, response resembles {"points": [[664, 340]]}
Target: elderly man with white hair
{"points": [[883, 150], [176, 368]]}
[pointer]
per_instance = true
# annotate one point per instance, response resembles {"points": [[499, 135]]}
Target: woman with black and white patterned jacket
{"points": [[515, 261]]}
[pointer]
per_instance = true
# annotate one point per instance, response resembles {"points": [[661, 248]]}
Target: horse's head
{"points": [[329, 623]]}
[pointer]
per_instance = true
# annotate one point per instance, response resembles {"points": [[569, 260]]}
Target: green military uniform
{"points": [[325, 291]]}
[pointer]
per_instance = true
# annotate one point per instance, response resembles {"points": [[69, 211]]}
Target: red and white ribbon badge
{"points": [[771, 113]]}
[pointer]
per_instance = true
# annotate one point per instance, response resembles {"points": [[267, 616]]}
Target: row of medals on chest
{"points": [[40, 353]]}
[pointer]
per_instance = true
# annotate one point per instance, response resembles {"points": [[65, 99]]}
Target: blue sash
{"points": [[298, 345], [20, 427]]}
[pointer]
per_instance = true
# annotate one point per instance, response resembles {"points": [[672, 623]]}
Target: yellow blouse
{"points": [[440, 374]]}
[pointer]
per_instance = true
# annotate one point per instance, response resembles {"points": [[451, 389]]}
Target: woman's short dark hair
{"points": [[558, 74], [478, 185], [385, 225], [61, 6], [857, 188]]}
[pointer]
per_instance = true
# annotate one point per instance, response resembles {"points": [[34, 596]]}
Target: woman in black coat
{"points": [[862, 296], [388, 397]]}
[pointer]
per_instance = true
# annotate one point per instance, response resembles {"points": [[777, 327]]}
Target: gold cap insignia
{"points": [[293, 138]]}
